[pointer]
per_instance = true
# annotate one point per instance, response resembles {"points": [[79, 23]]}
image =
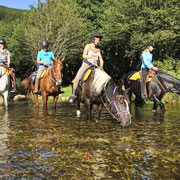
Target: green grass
{"points": [[68, 91]]}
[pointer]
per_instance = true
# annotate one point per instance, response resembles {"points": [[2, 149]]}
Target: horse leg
{"points": [[100, 106], [55, 101], [5, 94], [158, 102], [35, 96], [88, 106], [44, 98], [78, 112]]}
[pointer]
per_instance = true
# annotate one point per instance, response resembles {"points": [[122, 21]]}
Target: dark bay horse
{"points": [[99, 89], [160, 84], [49, 84]]}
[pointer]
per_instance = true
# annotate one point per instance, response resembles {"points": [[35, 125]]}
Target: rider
{"points": [[91, 56], [44, 59], [146, 58], [5, 60]]}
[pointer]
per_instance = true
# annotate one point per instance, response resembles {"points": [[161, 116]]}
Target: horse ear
{"points": [[62, 60]]}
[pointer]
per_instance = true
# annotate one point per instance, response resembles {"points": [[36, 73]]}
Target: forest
{"points": [[126, 26]]}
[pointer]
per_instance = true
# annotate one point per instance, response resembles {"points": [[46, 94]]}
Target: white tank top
{"points": [[92, 61]]}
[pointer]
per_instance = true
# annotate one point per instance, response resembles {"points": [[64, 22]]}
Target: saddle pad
{"points": [[137, 75], [43, 73], [6, 70], [88, 72]]}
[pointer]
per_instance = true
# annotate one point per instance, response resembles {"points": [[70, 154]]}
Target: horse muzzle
{"points": [[125, 119], [58, 83]]}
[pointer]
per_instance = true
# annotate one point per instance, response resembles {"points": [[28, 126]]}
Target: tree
{"points": [[130, 24]]}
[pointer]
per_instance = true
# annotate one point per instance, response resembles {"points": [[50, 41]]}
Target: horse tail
{"points": [[26, 85]]}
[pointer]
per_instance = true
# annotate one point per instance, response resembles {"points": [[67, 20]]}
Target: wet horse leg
{"points": [[55, 101], [78, 112], [35, 96], [99, 108], [5, 94], [158, 102], [45, 98], [88, 106]]}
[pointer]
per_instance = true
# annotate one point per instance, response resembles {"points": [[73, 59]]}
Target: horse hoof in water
{"points": [[78, 112]]}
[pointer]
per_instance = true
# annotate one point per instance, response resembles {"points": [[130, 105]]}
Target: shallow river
{"points": [[58, 145]]}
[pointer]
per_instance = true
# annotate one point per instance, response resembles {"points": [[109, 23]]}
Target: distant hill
{"points": [[10, 14]]}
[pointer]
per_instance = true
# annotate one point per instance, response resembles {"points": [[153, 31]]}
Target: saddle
{"points": [[85, 75], [137, 75], [34, 74], [8, 71]]}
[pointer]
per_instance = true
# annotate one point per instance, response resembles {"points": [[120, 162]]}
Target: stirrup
{"points": [[72, 98], [13, 89]]}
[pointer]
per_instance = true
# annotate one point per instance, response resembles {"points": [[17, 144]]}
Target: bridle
{"points": [[112, 101], [55, 74]]}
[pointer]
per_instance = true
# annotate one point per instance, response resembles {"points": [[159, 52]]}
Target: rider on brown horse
{"points": [[146, 57], [91, 56], [44, 59]]}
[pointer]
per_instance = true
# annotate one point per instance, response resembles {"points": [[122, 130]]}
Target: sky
{"points": [[19, 4]]}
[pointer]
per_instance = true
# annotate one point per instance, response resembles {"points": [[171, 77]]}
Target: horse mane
{"points": [[166, 77], [100, 80]]}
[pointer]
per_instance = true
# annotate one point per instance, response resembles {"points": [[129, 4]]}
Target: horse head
{"points": [[170, 83], [57, 71], [120, 108]]}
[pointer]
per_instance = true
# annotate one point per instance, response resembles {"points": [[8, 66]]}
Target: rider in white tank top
{"points": [[94, 54]]}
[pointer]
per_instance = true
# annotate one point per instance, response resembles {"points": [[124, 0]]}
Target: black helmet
{"points": [[150, 43], [44, 43], [2, 41], [96, 34]]}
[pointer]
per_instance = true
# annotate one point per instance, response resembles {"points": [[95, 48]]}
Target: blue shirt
{"points": [[146, 60], [45, 56]]}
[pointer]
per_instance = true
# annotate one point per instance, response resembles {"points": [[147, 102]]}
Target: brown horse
{"points": [[49, 84]]}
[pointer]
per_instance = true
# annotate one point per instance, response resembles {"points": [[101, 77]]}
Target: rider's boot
{"points": [[73, 97], [36, 86], [61, 91]]}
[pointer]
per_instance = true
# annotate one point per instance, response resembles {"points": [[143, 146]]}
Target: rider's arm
{"points": [[101, 60], [41, 62], [85, 53], [38, 61], [9, 61]]}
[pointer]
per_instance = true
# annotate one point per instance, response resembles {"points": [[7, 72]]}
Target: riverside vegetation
{"points": [[67, 24]]}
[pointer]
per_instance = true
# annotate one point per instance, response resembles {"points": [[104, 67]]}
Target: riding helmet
{"points": [[150, 43], [44, 43], [2, 41], [96, 34]]}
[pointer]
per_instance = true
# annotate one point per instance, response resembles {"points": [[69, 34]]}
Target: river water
{"points": [[35, 144]]}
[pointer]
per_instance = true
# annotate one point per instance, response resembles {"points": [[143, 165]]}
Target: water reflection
{"points": [[37, 144]]}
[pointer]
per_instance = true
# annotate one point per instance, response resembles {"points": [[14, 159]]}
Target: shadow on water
{"points": [[56, 144]]}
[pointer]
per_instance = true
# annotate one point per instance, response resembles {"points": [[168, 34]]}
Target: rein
{"points": [[163, 86], [54, 74], [160, 84]]}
